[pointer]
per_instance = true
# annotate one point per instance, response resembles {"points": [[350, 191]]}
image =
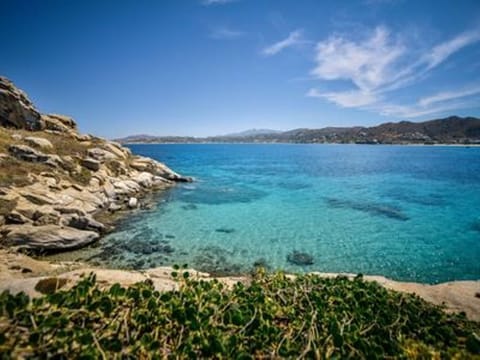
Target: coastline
{"points": [[19, 273], [291, 143]]}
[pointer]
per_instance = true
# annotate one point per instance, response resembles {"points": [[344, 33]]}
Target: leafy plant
{"points": [[273, 316]]}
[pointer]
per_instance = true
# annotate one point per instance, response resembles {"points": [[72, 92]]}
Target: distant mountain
{"points": [[253, 132], [451, 130]]}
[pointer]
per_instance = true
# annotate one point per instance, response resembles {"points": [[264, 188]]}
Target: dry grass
{"points": [[14, 172], [6, 206]]}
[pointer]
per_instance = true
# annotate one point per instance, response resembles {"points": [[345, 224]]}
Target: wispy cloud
{"points": [[442, 51], [294, 38], [381, 63], [225, 33], [369, 65], [216, 2], [449, 95], [352, 98]]}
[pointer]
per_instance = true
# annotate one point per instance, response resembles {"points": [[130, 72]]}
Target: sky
{"points": [[210, 67]]}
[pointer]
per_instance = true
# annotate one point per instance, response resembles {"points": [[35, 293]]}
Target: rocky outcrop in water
{"points": [[55, 182]]}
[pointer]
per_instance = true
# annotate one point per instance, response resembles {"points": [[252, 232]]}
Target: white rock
{"points": [[48, 237], [101, 154], [39, 142], [145, 179], [133, 202]]}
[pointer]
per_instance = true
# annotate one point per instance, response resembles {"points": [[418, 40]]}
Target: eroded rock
{"points": [[26, 153], [39, 142], [101, 154], [91, 164], [16, 109], [48, 237]]}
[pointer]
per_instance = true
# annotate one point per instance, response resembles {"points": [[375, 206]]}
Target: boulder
{"points": [[91, 164], [39, 142], [58, 123], [55, 161], [142, 164], [124, 187], [47, 219], [114, 207], [116, 149], [45, 215], [101, 154], [145, 179], [16, 218], [83, 223], [26, 153], [83, 137], [16, 109], [70, 210], [64, 120], [48, 238], [132, 202]]}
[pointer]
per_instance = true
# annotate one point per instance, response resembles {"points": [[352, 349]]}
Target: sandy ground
{"points": [[21, 273]]}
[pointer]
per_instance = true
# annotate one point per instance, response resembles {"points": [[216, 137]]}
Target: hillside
{"points": [[451, 130]]}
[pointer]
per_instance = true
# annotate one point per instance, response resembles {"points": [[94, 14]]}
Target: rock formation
{"points": [[55, 181]]}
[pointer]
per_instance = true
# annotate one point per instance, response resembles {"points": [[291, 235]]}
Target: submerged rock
{"points": [[300, 258], [225, 230], [369, 207], [261, 263]]}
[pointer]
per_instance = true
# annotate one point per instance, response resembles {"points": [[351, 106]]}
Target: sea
{"points": [[409, 213]]}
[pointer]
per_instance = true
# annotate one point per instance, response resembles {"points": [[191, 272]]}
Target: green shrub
{"points": [[82, 177], [274, 316]]}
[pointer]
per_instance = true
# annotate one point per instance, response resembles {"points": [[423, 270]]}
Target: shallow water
{"points": [[408, 213]]}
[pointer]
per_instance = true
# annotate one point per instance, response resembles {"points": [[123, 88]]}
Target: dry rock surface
{"points": [[55, 182]]}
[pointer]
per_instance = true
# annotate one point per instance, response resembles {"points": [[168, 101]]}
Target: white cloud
{"points": [[368, 65], [216, 2], [449, 95], [413, 111], [226, 33], [381, 63], [442, 51], [294, 38], [348, 99]]}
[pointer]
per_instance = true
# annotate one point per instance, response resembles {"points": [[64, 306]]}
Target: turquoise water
{"points": [[408, 213]]}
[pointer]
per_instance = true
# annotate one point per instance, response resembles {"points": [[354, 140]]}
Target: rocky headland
{"points": [[58, 186]]}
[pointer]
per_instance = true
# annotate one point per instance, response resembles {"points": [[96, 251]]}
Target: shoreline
{"points": [[290, 143], [19, 272]]}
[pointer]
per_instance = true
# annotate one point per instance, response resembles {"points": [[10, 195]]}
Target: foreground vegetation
{"points": [[273, 316]]}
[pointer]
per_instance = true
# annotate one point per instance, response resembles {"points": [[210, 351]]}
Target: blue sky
{"points": [[207, 67]]}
